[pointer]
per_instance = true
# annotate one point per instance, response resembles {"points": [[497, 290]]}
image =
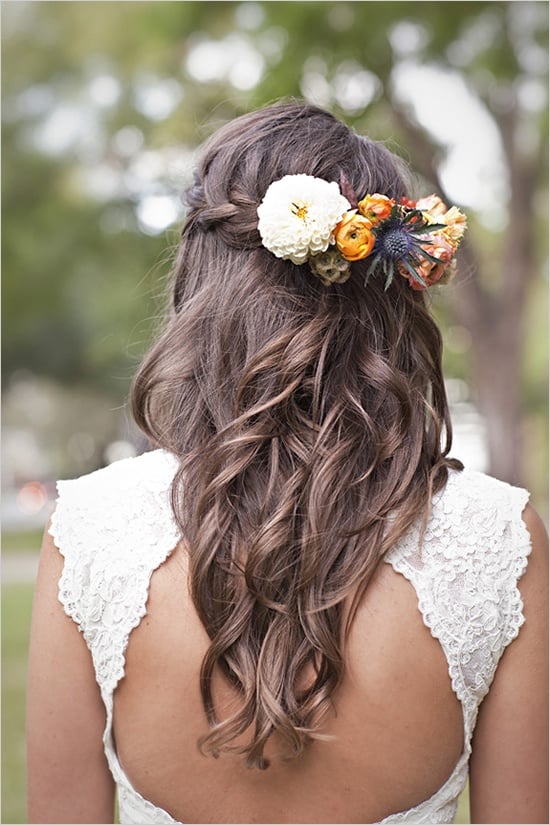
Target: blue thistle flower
{"points": [[399, 240]]}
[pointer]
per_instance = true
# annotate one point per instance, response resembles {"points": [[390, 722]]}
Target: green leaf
{"points": [[372, 267], [431, 257], [413, 273], [426, 228]]}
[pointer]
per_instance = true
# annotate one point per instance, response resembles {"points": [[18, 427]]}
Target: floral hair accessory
{"points": [[303, 218], [354, 236], [298, 215]]}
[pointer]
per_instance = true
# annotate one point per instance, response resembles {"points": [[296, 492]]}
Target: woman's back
{"points": [[397, 725], [400, 732]]}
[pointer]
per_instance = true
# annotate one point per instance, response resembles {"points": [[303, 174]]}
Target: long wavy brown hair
{"points": [[310, 423]]}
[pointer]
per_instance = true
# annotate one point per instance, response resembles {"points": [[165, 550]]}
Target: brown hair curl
{"points": [[307, 420]]}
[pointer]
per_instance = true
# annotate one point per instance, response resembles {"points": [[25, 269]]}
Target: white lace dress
{"points": [[114, 527]]}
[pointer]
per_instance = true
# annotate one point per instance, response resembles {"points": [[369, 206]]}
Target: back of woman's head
{"points": [[307, 419]]}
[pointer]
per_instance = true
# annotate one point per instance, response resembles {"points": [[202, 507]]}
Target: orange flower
{"points": [[354, 237], [376, 207]]}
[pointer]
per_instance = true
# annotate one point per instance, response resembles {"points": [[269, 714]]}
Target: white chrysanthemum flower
{"points": [[298, 215]]}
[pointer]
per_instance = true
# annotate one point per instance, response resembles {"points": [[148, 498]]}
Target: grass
{"points": [[21, 541], [16, 617], [463, 812]]}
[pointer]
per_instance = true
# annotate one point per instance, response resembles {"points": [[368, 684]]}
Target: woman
{"points": [[297, 604]]}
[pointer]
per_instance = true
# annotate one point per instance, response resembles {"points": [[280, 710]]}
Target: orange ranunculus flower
{"points": [[376, 207], [354, 236], [432, 273]]}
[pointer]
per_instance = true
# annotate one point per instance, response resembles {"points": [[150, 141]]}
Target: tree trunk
{"points": [[495, 318]]}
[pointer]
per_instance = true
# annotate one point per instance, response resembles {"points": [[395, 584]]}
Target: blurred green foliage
{"points": [[21, 541], [16, 617], [105, 103]]}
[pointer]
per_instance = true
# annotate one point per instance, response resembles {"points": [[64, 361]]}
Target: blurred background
{"points": [[103, 107]]}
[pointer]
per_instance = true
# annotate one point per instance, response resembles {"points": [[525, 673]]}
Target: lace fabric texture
{"points": [[114, 527]]}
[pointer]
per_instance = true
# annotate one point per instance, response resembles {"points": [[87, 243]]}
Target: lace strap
{"points": [[465, 571], [520, 542], [113, 528]]}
